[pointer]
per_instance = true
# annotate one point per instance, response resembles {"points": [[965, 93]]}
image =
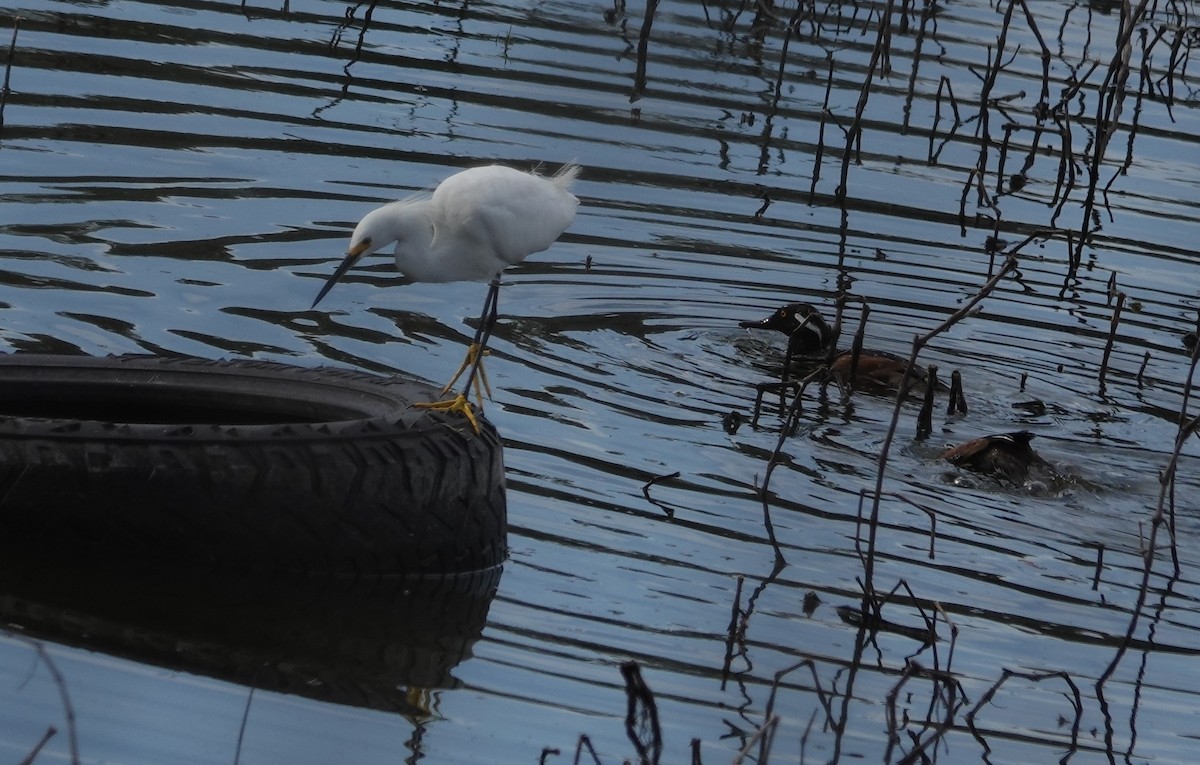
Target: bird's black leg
{"points": [[477, 377], [483, 333]]}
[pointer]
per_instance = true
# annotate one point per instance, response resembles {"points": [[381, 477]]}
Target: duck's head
{"points": [[807, 332]]}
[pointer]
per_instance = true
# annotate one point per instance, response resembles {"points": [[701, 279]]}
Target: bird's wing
{"points": [[510, 212]]}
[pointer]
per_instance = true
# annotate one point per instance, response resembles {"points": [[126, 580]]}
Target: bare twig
{"points": [[669, 511], [854, 134], [657, 479], [735, 633], [33, 753], [1033, 677], [12, 47], [237, 752], [641, 715], [1112, 334], [958, 401], [919, 342], [643, 49], [925, 417], [60, 683], [586, 743]]}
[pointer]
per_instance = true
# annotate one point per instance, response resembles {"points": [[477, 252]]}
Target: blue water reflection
{"points": [[182, 177]]}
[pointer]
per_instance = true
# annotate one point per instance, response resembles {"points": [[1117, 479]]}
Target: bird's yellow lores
{"points": [[476, 223]]}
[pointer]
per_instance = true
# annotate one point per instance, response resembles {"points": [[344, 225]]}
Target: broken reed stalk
{"points": [[734, 634], [822, 696], [925, 418], [657, 479], [586, 743], [241, 737], [1044, 97], [12, 47], [763, 736], [957, 400], [33, 753], [768, 525], [1157, 521], [953, 639], [1033, 677], [955, 701], [982, 128], [792, 24], [791, 419], [667, 509], [336, 39], [1142, 369], [918, 43], [643, 49], [919, 342], [854, 134], [835, 333], [819, 154], [857, 346], [641, 715], [937, 118], [61, 684], [1187, 427], [803, 737], [1112, 334], [1099, 566], [1108, 109], [1065, 179]]}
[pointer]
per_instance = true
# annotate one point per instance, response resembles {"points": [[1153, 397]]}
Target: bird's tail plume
{"points": [[566, 175]]}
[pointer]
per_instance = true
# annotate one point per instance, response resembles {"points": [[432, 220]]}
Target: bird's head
{"points": [[368, 237], [803, 324]]}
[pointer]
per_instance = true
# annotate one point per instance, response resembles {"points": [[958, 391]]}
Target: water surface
{"points": [[181, 177]]}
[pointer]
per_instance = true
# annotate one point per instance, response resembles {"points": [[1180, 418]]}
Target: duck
{"points": [[808, 333], [810, 338], [1006, 456]]}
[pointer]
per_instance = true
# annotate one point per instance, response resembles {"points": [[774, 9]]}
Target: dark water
{"points": [[181, 178]]}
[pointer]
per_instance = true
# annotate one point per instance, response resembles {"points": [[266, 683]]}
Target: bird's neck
{"points": [[408, 226], [398, 222]]}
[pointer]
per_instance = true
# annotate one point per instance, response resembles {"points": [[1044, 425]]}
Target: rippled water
{"points": [[181, 178]]}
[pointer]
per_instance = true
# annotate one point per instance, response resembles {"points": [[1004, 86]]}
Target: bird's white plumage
{"points": [[475, 224]]}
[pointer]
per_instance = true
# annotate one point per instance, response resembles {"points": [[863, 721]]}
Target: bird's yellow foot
{"points": [[473, 352], [457, 404]]}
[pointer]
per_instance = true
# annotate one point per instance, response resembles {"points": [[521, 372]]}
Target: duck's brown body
{"points": [[877, 369], [810, 337], [1004, 455]]}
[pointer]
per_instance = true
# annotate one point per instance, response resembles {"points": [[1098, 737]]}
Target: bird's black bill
{"points": [[338, 274], [774, 322], [759, 324]]}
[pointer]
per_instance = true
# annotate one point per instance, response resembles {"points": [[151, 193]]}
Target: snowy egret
{"points": [[476, 223], [809, 337]]}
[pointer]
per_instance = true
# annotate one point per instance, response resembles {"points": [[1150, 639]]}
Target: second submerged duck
{"points": [[1003, 455]]}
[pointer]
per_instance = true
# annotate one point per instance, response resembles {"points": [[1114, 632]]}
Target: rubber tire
{"points": [[243, 466]]}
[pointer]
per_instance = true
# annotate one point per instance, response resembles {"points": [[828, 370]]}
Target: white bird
{"points": [[476, 223]]}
